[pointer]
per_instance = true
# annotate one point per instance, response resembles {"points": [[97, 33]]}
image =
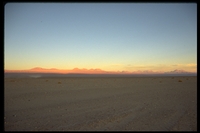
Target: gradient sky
{"points": [[110, 36]]}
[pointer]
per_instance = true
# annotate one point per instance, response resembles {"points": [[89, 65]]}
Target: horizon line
{"points": [[93, 71]]}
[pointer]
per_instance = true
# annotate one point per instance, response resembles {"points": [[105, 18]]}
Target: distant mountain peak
{"points": [[177, 71], [96, 69], [37, 68], [76, 68]]}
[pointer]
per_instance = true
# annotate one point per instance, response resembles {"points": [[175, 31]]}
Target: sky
{"points": [[108, 36]]}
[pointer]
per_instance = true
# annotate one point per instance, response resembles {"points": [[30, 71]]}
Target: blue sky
{"points": [[109, 36]]}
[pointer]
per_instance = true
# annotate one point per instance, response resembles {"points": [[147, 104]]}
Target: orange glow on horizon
{"points": [[94, 71]]}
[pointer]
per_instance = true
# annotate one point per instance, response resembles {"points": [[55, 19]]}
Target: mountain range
{"points": [[90, 71]]}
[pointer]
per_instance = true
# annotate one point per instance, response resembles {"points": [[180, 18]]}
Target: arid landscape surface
{"points": [[100, 104]]}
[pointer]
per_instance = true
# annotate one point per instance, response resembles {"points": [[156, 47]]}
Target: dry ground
{"points": [[98, 104]]}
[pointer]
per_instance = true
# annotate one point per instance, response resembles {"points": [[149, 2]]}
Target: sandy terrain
{"points": [[99, 104]]}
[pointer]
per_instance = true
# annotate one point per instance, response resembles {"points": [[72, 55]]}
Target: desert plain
{"points": [[100, 104]]}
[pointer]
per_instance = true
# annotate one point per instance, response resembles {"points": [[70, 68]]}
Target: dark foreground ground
{"points": [[98, 104]]}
